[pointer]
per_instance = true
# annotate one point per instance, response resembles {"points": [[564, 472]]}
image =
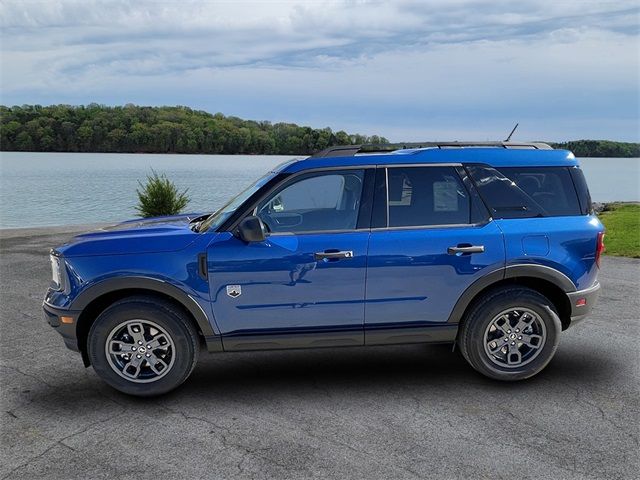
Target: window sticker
{"points": [[445, 197]]}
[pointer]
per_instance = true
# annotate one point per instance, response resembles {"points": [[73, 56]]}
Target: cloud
{"points": [[382, 65]]}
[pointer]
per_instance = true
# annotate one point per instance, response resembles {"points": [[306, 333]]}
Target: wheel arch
{"points": [[551, 283], [97, 298]]}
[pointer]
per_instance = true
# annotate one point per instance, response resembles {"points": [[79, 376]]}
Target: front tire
{"points": [[143, 346], [510, 334]]}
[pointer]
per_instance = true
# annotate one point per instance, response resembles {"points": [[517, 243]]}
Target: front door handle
{"points": [[465, 249], [333, 254]]}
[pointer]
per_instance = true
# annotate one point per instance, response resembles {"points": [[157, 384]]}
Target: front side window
{"points": [[316, 202], [424, 196]]}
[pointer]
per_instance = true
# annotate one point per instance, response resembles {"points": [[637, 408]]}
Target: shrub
{"points": [[159, 196]]}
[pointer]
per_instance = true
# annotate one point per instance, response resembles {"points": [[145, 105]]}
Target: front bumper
{"points": [[582, 302], [53, 316]]}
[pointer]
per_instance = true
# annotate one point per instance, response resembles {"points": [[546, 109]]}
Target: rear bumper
{"points": [[582, 302], [66, 330]]}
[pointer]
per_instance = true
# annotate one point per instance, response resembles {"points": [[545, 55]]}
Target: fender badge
{"points": [[234, 290]]}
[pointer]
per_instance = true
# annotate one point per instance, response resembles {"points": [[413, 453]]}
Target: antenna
{"points": [[514, 129]]}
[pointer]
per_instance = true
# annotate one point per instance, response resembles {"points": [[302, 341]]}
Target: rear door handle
{"points": [[333, 254], [465, 249]]}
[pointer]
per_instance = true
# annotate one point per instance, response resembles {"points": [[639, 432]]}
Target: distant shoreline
{"points": [[137, 129]]}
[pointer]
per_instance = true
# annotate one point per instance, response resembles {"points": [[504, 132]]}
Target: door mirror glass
{"points": [[251, 229]]}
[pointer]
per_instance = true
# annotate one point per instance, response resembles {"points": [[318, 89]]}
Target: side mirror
{"points": [[251, 229]]}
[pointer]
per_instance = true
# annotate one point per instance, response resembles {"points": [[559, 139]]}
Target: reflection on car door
{"points": [[305, 284]]}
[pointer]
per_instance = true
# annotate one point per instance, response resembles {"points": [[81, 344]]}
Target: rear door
{"points": [[431, 240]]}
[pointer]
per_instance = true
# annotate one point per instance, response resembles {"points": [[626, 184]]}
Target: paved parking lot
{"points": [[385, 412]]}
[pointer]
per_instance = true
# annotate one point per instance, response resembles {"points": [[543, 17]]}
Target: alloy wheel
{"points": [[514, 337], [140, 351]]}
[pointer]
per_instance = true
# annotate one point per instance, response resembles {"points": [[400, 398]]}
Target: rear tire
{"points": [[143, 346], [510, 334]]}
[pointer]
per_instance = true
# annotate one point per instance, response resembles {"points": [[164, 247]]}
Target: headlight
{"points": [[56, 270]]}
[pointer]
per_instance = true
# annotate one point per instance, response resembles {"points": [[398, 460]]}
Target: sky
{"points": [[408, 70]]}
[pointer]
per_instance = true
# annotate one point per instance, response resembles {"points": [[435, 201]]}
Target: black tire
{"points": [[183, 351], [476, 323]]}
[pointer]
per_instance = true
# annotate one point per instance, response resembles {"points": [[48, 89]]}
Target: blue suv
{"points": [[493, 247]]}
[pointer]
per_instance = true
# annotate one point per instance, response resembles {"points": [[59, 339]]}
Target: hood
{"points": [[147, 235]]}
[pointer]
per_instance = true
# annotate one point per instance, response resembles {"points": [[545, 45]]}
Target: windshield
{"points": [[216, 219]]}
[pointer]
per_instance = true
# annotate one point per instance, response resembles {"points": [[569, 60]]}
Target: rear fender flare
{"points": [[512, 271]]}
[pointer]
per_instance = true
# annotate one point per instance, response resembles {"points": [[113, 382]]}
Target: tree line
{"points": [[136, 129], [600, 148]]}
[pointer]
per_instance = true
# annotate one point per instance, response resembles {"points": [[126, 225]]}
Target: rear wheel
{"points": [[511, 333], [143, 346]]}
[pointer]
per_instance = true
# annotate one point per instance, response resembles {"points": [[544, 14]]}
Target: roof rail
{"points": [[338, 151], [351, 150]]}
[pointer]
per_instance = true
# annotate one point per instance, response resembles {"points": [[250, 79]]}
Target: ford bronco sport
{"points": [[493, 247]]}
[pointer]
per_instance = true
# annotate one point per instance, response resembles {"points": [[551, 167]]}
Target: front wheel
{"points": [[143, 346], [511, 334]]}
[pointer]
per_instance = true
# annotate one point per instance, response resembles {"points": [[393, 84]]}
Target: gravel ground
{"points": [[380, 412]]}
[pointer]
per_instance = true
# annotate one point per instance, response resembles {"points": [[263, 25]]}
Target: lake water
{"points": [[45, 189]]}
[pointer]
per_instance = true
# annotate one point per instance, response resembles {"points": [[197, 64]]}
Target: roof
{"points": [[490, 155]]}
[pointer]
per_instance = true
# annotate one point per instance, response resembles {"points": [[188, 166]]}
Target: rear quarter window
{"points": [[583, 191], [525, 192], [550, 187]]}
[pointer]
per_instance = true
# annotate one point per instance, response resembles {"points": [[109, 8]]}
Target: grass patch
{"points": [[622, 221]]}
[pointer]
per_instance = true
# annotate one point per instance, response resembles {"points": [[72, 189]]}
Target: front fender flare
{"points": [[147, 283]]}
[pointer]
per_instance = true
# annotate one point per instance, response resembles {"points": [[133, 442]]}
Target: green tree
{"points": [[24, 142], [159, 196], [84, 138]]}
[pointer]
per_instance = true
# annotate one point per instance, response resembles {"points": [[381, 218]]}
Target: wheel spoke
{"points": [[514, 357], [133, 367], [118, 347], [160, 340], [524, 321], [502, 323], [154, 362], [136, 331], [533, 341]]}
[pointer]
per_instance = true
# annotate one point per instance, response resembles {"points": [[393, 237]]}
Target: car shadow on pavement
{"points": [[255, 376], [356, 369]]}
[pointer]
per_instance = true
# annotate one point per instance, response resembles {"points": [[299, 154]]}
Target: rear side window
{"points": [[525, 192], [422, 196], [549, 187]]}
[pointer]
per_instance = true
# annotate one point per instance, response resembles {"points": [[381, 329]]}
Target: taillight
{"points": [[599, 247]]}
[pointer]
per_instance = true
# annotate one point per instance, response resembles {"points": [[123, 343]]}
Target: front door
{"points": [[436, 240], [305, 284]]}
